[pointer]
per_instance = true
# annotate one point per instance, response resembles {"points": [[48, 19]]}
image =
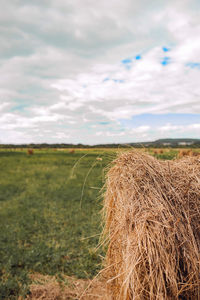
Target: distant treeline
{"points": [[162, 143]]}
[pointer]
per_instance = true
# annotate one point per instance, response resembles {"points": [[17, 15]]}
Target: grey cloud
{"points": [[80, 43], [86, 28]]}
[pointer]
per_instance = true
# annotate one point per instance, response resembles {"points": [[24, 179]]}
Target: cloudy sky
{"points": [[85, 71]]}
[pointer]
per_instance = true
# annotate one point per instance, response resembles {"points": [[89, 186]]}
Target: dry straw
{"points": [[72, 151], [158, 151], [152, 217], [184, 152], [30, 151], [187, 152]]}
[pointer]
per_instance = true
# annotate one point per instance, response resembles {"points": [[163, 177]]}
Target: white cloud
{"points": [[141, 129], [4, 105], [56, 57], [169, 127], [116, 93], [194, 126], [62, 135]]}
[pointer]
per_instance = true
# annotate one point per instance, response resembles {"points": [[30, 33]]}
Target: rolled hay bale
{"points": [[184, 152], [152, 223], [194, 153], [71, 151], [160, 151], [155, 151], [30, 151]]}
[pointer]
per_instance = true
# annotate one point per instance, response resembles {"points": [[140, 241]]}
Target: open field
{"points": [[50, 220]]}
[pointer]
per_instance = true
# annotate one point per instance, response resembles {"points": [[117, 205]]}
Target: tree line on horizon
{"points": [[164, 143]]}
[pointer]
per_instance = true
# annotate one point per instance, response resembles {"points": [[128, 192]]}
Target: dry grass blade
{"points": [[49, 288], [83, 187]]}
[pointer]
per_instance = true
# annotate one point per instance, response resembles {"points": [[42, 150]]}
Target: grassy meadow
{"points": [[50, 220]]}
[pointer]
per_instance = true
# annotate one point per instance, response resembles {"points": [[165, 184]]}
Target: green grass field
{"points": [[50, 220]]}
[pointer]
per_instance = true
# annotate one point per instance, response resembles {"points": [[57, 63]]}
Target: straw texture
{"points": [[152, 223]]}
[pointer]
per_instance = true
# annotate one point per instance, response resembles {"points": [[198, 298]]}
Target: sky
{"points": [[85, 71]]}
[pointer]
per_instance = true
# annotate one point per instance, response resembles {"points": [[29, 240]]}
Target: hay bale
{"points": [[158, 151], [30, 151], [194, 153], [152, 222], [184, 152], [155, 151], [71, 151]]}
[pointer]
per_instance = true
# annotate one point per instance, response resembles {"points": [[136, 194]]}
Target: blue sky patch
{"points": [[165, 49], [165, 61], [104, 123], [118, 80], [138, 57], [193, 65], [20, 107], [158, 120], [126, 61]]}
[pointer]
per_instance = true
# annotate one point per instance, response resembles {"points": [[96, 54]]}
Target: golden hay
{"points": [[30, 151], [184, 152], [158, 151], [161, 151], [152, 222], [71, 151], [155, 151], [49, 288], [189, 152], [194, 153]]}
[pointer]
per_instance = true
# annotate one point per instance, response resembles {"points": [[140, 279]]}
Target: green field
{"points": [[50, 220]]}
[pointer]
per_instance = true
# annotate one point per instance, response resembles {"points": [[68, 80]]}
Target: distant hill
{"points": [[175, 141], [187, 142]]}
